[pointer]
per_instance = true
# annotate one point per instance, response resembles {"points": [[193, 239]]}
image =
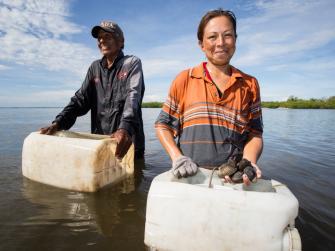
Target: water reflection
{"points": [[113, 212]]}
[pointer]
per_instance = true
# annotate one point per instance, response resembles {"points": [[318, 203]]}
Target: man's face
{"points": [[108, 45]]}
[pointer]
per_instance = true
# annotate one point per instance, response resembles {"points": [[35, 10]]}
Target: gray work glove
{"points": [[183, 166]]}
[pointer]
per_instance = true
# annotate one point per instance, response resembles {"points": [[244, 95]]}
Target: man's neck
{"points": [[110, 60]]}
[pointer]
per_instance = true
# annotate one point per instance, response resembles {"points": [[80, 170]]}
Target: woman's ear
{"points": [[200, 44]]}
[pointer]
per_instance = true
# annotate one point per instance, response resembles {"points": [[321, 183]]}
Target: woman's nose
{"points": [[221, 40]]}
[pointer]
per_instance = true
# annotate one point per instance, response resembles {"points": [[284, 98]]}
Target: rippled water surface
{"points": [[299, 151]]}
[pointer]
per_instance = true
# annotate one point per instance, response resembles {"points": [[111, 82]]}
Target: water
{"points": [[299, 151]]}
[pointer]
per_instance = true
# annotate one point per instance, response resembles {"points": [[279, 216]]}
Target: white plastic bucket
{"points": [[185, 214], [77, 161]]}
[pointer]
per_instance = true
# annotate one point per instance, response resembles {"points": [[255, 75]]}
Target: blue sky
{"points": [[46, 46]]}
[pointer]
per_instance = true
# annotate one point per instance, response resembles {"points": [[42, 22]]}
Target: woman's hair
{"points": [[212, 14]]}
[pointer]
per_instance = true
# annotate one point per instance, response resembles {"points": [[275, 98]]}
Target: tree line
{"points": [[297, 103], [292, 102]]}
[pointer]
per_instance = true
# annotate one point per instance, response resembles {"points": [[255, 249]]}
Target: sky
{"points": [[46, 46]]}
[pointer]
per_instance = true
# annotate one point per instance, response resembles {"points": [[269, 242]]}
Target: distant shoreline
{"points": [[296, 103], [291, 103]]}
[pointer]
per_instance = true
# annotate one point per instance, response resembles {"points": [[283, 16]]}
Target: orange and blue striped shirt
{"points": [[209, 123]]}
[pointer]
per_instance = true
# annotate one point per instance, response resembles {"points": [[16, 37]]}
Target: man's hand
{"points": [[123, 140], [183, 166], [49, 130]]}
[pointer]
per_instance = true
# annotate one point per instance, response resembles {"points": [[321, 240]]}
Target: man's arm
{"points": [[130, 119], [79, 105], [135, 91]]}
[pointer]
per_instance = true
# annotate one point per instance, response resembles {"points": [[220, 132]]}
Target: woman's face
{"points": [[219, 41]]}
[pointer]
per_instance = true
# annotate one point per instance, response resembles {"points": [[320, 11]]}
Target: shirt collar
{"points": [[200, 72], [103, 61]]}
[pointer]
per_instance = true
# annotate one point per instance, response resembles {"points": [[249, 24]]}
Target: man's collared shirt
{"points": [[114, 97]]}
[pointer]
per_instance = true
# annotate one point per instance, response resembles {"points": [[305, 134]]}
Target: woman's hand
{"points": [[245, 178], [184, 166]]}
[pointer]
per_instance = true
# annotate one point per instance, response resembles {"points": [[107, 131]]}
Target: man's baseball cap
{"points": [[108, 26]]}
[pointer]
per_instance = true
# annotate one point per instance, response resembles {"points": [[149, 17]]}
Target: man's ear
{"points": [[120, 44]]}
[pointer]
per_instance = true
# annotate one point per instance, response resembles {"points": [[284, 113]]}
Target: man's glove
{"points": [[123, 140], [183, 166]]}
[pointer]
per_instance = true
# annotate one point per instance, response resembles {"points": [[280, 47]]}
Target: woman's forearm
{"points": [[253, 149], [165, 136]]}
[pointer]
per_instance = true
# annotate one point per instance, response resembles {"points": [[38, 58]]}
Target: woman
{"points": [[213, 109]]}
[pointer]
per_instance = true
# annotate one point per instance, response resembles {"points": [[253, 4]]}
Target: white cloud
{"points": [[33, 33], [314, 65], [158, 67], [283, 29], [172, 57], [41, 18], [162, 63], [4, 67]]}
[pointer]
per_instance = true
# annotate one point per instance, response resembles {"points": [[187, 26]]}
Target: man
{"points": [[113, 90]]}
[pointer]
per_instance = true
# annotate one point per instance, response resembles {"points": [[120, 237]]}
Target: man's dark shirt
{"points": [[114, 97]]}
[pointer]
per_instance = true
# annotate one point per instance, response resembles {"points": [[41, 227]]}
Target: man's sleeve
{"points": [[255, 113], [135, 91], [79, 104]]}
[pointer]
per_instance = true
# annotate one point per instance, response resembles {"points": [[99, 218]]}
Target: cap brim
{"points": [[96, 29]]}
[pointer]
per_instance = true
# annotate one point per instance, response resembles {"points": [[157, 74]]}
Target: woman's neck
{"points": [[219, 70], [220, 75]]}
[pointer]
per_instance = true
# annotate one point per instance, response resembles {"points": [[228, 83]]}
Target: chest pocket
{"points": [[120, 86]]}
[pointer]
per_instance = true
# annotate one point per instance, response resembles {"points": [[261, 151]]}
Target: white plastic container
{"points": [[185, 214], [77, 161]]}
